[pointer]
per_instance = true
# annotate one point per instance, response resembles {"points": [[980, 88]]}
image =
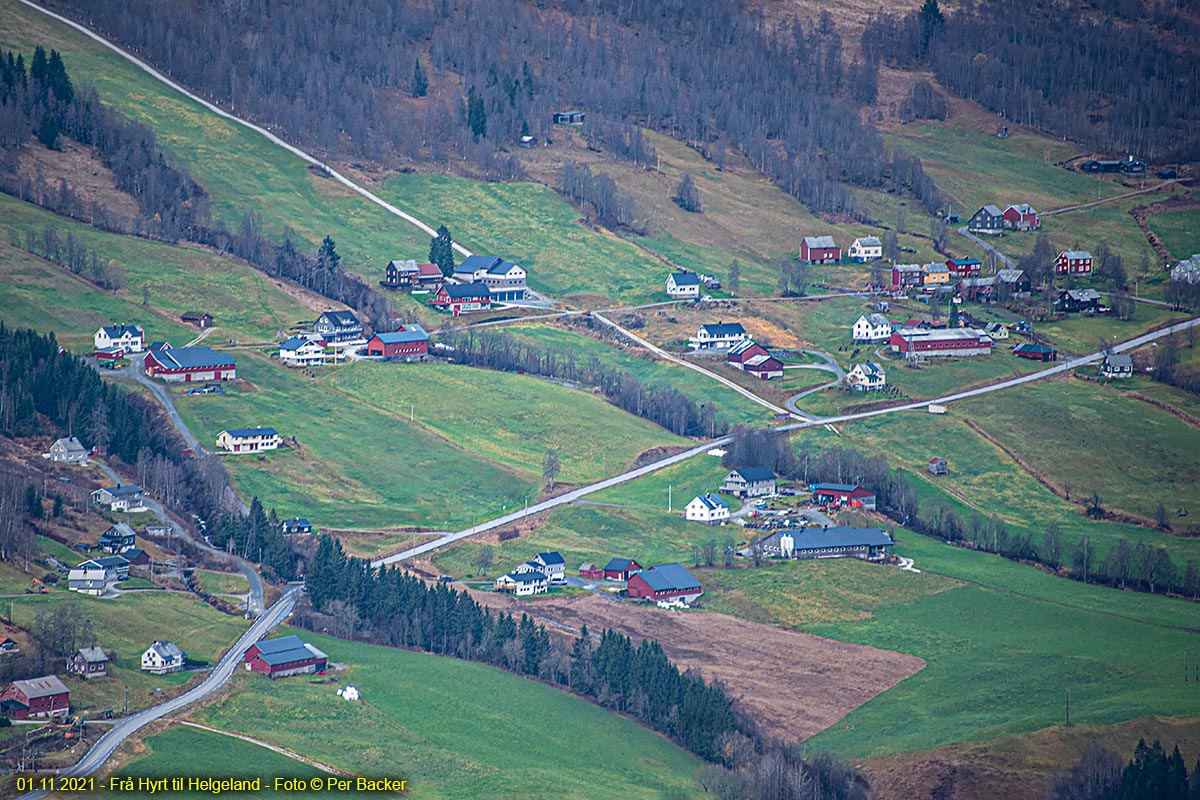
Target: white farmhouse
{"points": [[870, 328], [162, 657], [867, 248], [868, 377], [684, 285], [553, 566], [130, 338], [68, 451], [707, 508], [301, 352], [721, 336], [249, 440]]}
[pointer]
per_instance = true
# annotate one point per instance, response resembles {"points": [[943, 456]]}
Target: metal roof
{"points": [[192, 358], [756, 474], [685, 278], [840, 536], [820, 241], [41, 687], [409, 333], [669, 577], [246, 433], [724, 329]]}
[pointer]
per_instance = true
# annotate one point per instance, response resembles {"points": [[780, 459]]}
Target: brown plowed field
{"points": [[794, 684]]}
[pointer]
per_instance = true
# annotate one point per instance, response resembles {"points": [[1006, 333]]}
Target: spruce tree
{"points": [[420, 84], [441, 251]]}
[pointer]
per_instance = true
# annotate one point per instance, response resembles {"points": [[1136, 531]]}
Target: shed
{"points": [[938, 466]]}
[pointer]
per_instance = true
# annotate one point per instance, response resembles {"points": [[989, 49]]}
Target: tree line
{"points": [[45, 390], [1150, 774], [662, 405], [1116, 81], [388, 606], [353, 88], [70, 253], [1139, 566]]}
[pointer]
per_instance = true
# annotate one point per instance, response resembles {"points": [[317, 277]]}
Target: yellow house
{"points": [[936, 274]]}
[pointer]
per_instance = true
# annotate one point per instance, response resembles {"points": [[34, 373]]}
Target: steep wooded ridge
{"points": [[416, 79], [1103, 72]]}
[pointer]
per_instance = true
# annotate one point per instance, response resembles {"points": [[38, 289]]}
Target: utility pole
{"points": [[668, 497]]}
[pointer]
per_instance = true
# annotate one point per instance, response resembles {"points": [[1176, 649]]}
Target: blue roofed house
{"points": [[115, 567], [296, 525], [866, 377], [721, 336], [553, 565], [749, 482], [707, 508], [301, 352], [119, 498], [249, 440]]}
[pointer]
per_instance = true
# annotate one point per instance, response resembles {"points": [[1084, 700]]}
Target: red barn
{"points": [[279, 658], [665, 582], [619, 569], [408, 341], [743, 351], [591, 572], [187, 364], [820, 250], [945, 342], [1035, 352], [844, 494], [37, 697]]}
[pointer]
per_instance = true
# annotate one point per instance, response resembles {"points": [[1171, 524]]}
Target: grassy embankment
{"points": [[447, 727]]}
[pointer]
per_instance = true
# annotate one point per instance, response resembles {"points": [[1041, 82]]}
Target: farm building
{"points": [[964, 267], [1015, 281], [1021, 217], [130, 338], [1035, 352], [119, 498], [707, 508], [568, 117], [187, 364], [684, 285], [522, 583], [843, 494], [296, 525], [505, 280], [870, 544], [162, 657], [116, 568], [300, 352], [201, 319], [409, 274], [459, 297], [764, 367], [720, 336], [995, 331], [589, 571], [868, 377], [619, 569], [285, 656], [905, 277], [745, 349], [665, 582], [1078, 300], [409, 342], [117, 539], [1117, 365], [338, 326], [553, 565], [864, 249], [249, 440], [820, 250], [944, 342], [1073, 262], [136, 557], [90, 662], [68, 451], [36, 697], [938, 466], [749, 482], [988, 220], [871, 328], [92, 582]]}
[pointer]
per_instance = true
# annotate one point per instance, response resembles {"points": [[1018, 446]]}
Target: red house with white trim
{"points": [[1021, 217], [665, 582], [36, 697], [591, 572], [820, 250], [279, 658], [407, 341], [1073, 262], [459, 297], [187, 364]]}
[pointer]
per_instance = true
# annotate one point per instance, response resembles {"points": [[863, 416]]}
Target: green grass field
{"points": [[245, 303], [358, 467], [209, 755], [1134, 455], [1178, 231], [455, 729], [1001, 651], [240, 169], [507, 419], [222, 582], [128, 626], [730, 405]]}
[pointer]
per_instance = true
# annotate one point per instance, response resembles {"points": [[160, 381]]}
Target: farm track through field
{"points": [[1182, 416], [283, 751]]}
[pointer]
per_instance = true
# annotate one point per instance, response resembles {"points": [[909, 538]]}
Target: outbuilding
{"points": [[665, 582], [36, 697], [285, 656], [408, 342], [620, 569]]}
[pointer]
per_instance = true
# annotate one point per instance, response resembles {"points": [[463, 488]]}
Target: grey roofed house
{"points": [[69, 450], [279, 645], [878, 319], [993, 210], [87, 580], [820, 241], [93, 655], [865, 241], [669, 577], [168, 651]]}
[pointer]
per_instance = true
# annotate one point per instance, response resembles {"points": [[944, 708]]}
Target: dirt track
{"points": [[794, 684]]}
